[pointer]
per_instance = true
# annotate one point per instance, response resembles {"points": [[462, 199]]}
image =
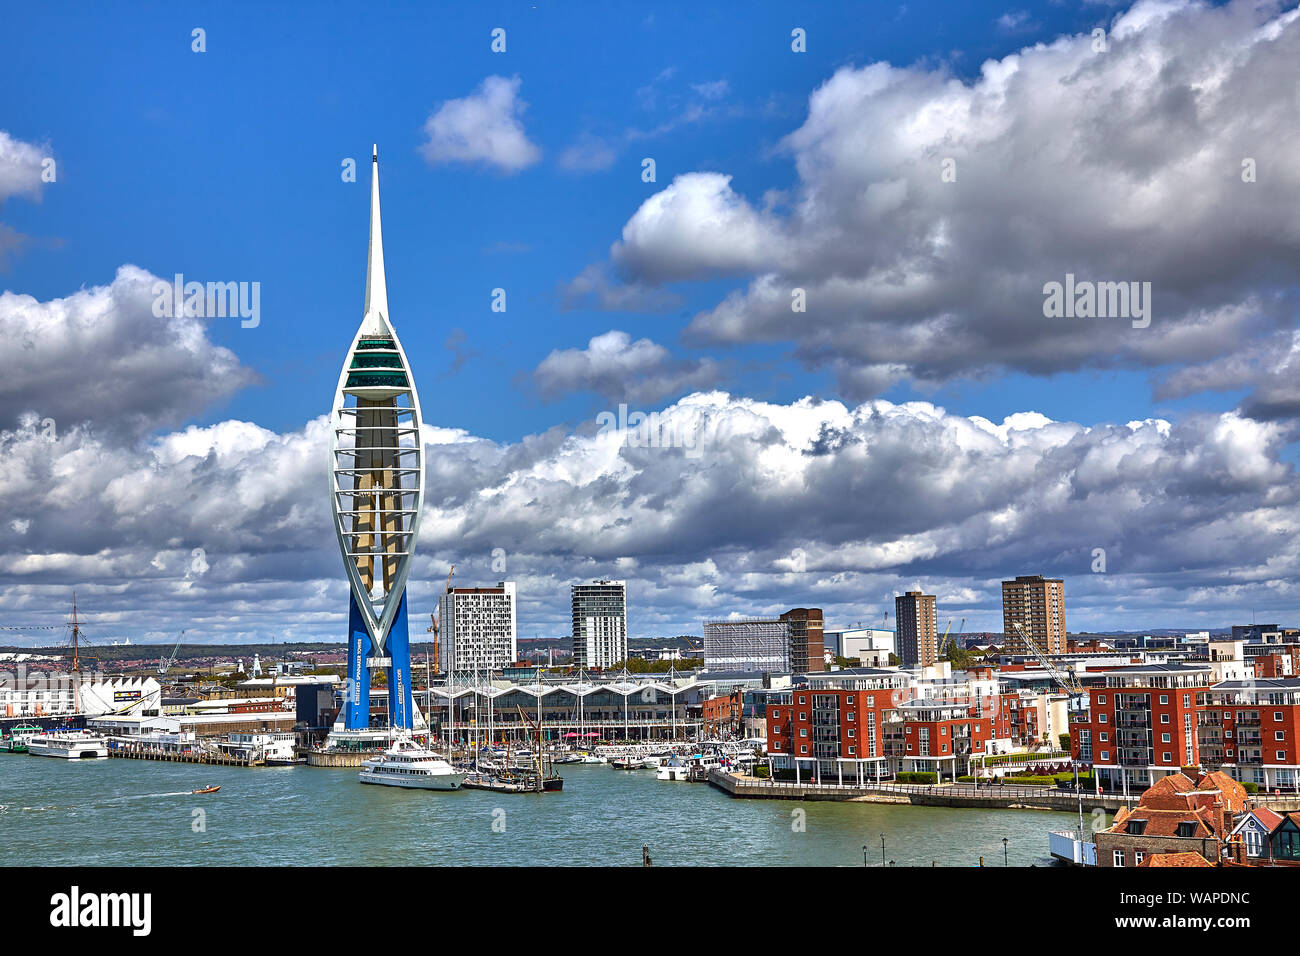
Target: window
{"points": [[1103, 736], [1117, 858], [1167, 757], [1164, 718], [1254, 842], [1135, 827], [1101, 698], [803, 731], [803, 715], [1277, 716], [1164, 738], [803, 749], [1186, 829], [1187, 700], [1164, 698], [1279, 735], [803, 700], [850, 732], [1105, 755], [776, 745], [1281, 755], [1138, 857], [776, 714], [1101, 718], [853, 750]]}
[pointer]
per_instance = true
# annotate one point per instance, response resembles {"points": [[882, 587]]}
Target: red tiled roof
{"points": [[1175, 859]]}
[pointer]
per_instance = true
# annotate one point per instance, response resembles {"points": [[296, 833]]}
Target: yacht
{"points": [[674, 768], [68, 744], [407, 764]]}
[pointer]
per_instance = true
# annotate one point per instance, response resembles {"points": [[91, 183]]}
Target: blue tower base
{"points": [[397, 648]]}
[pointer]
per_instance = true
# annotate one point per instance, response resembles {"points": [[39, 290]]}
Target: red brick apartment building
{"points": [[1250, 729], [835, 733], [1142, 725], [873, 728]]}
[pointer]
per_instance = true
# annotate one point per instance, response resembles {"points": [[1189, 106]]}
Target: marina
{"points": [[119, 812]]}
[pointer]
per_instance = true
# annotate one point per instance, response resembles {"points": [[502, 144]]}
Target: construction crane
{"points": [[437, 657], [1066, 679], [943, 642], [167, 663]]}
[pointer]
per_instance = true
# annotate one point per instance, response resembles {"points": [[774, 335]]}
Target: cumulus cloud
{"points": [[1122, 165], [100, 356], [877, 496], [20, 168], [485, 127], [615, 367]]}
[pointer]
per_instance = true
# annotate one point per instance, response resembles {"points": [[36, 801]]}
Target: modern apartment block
{"points": [[807, 651], [916, 635], [1038, 605], [477, 629], [599, 623], [1250, 728], [751, 644], [1142, 725]]}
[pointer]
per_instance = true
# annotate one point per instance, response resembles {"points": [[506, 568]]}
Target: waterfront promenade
{"points": [[1007, 797]]}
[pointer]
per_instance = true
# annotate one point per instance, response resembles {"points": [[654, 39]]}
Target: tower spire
{"points": [[376, 286]]}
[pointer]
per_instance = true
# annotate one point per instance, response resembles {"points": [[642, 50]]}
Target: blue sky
{"points": [[225, 165]]}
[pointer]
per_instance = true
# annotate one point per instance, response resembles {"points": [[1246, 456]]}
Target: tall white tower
{"points": [[376, 494]]}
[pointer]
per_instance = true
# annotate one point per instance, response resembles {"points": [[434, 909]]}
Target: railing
{"points": [[944, 789]]}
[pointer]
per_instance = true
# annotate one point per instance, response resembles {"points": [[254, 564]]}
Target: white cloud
{"points": [[101, 356], [617, 368], [695, 228], [1117, 166], [485, 126], [877, 496], [20, 168]]}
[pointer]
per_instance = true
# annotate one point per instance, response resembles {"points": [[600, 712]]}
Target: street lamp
{"points": [[1004, 852], [882, 849], [864, 854]]}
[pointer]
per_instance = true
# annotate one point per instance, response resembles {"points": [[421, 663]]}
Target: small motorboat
{"points": [[207, 790]]}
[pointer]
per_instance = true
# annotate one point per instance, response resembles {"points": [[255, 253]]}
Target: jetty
{"points": [[187, 756], [1007, 797]]}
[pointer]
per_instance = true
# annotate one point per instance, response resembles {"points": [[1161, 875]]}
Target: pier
{"points": [[1008, 797], [175, 756]]}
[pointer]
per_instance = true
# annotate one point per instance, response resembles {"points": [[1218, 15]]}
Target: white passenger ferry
{"points": [[407, 764], [68, 744]]}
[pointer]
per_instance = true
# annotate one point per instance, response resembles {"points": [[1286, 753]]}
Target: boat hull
{"points": [[450, 781]]}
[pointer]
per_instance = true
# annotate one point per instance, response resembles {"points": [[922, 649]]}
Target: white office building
{"points": [[477, 629], [599, 623]]}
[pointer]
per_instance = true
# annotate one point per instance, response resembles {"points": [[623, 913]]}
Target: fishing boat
{"points": [[626, 762], [16, 742], [207, 789], [407, 764], [68, 744]]}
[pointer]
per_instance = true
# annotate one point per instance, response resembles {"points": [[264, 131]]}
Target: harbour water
{"points": [[140, 813]]}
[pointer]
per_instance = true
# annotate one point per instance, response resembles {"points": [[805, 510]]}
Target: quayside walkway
{"points": [[1007, 797]]}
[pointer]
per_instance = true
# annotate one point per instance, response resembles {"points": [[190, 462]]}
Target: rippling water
{"points": [[137, 812]]}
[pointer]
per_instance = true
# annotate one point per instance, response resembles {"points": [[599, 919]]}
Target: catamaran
{"points": [[68, 744]]}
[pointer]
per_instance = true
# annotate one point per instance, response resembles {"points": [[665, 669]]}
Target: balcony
{"points": [[1133, 722]]}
